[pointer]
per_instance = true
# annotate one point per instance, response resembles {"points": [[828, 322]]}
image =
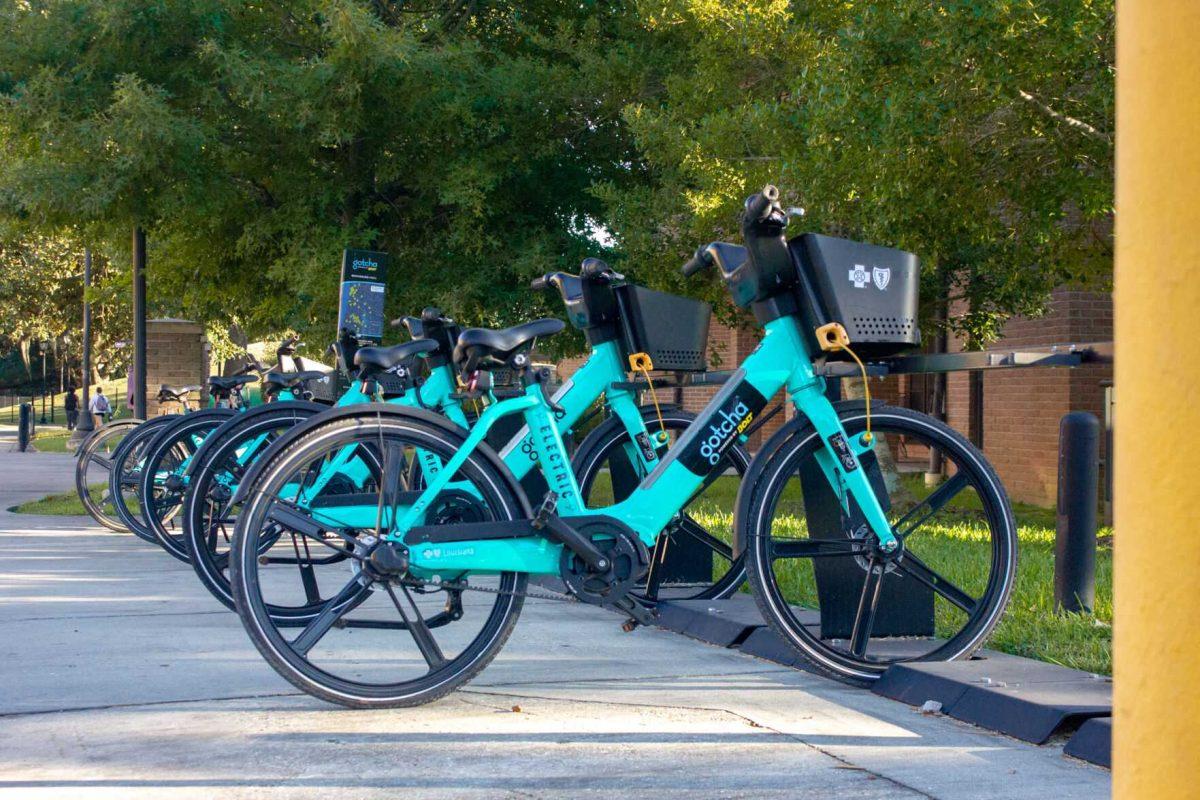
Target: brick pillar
{"points": [[177, 355]]}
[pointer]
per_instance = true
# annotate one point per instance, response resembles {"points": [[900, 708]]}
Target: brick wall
{"points": [[177, 355], [1022, 407]]}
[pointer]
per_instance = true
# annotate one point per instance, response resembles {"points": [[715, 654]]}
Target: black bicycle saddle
{"points": [[484, 348]]}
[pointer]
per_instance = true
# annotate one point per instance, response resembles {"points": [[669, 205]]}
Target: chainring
{"points": [[628, 561]]}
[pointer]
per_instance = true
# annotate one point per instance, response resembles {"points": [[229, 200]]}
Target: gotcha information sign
{"points": [[361, 308]]}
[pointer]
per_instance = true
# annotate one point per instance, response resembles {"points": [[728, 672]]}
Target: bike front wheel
{"points": [[92, 469], [824, 585]]}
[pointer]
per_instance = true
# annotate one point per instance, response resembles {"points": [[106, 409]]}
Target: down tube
{"points": [[665, 490], [594, 378]]}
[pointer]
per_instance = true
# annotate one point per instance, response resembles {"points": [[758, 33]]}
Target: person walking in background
{"points": [[71, 406], [100, 408]]}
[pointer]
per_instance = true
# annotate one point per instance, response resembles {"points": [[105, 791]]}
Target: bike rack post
{"points": [[1078, 501], [25, 427]]}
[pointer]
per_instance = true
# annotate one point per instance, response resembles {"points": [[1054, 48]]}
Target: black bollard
{"points": [[1078, 484], [25, 427]]}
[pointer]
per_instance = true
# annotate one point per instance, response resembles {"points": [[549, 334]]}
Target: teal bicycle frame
{"points": [[437, 391], [183, 469], [781, 361], [601, 375]]}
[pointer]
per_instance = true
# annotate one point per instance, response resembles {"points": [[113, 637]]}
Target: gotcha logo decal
{"points": [[727, 418], [733, 421]]}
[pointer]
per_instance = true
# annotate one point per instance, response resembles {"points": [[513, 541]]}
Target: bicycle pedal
{"points": [[638, 614]]}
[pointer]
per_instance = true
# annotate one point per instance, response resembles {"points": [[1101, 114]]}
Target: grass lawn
{"points": [[1030, 626], [62, 504], [52, 441], [67, 504]]}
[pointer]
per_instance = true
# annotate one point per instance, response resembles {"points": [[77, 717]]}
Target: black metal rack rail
{"points": [[1063, 355]]}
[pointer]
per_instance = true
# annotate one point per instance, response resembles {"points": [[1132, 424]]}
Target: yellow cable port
{"points": [[641, 362], [833, 337]]}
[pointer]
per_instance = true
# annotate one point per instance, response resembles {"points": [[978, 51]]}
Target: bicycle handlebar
{"points": [[760, 206], [591, 269], [702, 260]]}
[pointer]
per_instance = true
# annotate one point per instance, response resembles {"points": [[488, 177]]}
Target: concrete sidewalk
{"points": [[122, 678]]}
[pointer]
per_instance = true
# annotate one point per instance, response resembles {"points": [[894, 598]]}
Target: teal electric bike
{"points": [[224, 459], [695, 554], [872, 534]]}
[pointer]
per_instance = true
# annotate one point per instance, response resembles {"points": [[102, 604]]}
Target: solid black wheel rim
{"points": [[392, 614], [856, 610]]}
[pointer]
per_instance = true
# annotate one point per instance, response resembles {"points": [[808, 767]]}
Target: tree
{"points": [[41, 299], [974, 134], [483, 143], [255, 140]]}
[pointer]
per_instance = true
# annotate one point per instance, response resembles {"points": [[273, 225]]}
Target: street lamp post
{"points": [[45, 387], [85, 425]]}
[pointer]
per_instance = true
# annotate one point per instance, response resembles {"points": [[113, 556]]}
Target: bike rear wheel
{"points": [[370, 641], [823, 584], [209, 516], [125, 478], [165, 482]]}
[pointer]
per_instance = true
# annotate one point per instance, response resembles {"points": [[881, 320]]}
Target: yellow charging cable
{"points": [[641, 362], [832, 338]]}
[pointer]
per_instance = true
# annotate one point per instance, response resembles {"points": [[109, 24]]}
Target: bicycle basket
{"points": [[327, 390], [870, 290], [672, 330]]}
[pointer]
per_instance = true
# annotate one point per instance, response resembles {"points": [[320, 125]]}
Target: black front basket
{"points": [[672, 330], [872, 291]]}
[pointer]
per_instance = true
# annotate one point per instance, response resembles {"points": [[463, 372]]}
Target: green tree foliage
{"points": [[976, 134], [255, 140], [41, 300], [481, 142]]}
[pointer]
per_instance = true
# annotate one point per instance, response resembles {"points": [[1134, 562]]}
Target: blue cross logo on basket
{"points": [[859, 276], [882, 277]]}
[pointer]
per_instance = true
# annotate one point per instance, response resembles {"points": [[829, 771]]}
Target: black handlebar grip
{"points": [[432, 314], [702, 260], [541, 283], [593, 268]]}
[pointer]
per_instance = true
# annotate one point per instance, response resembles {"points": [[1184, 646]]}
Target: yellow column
{"points": [[1156, 746]]}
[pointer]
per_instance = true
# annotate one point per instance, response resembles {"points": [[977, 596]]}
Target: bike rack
{"points": [[1063, 355]]}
